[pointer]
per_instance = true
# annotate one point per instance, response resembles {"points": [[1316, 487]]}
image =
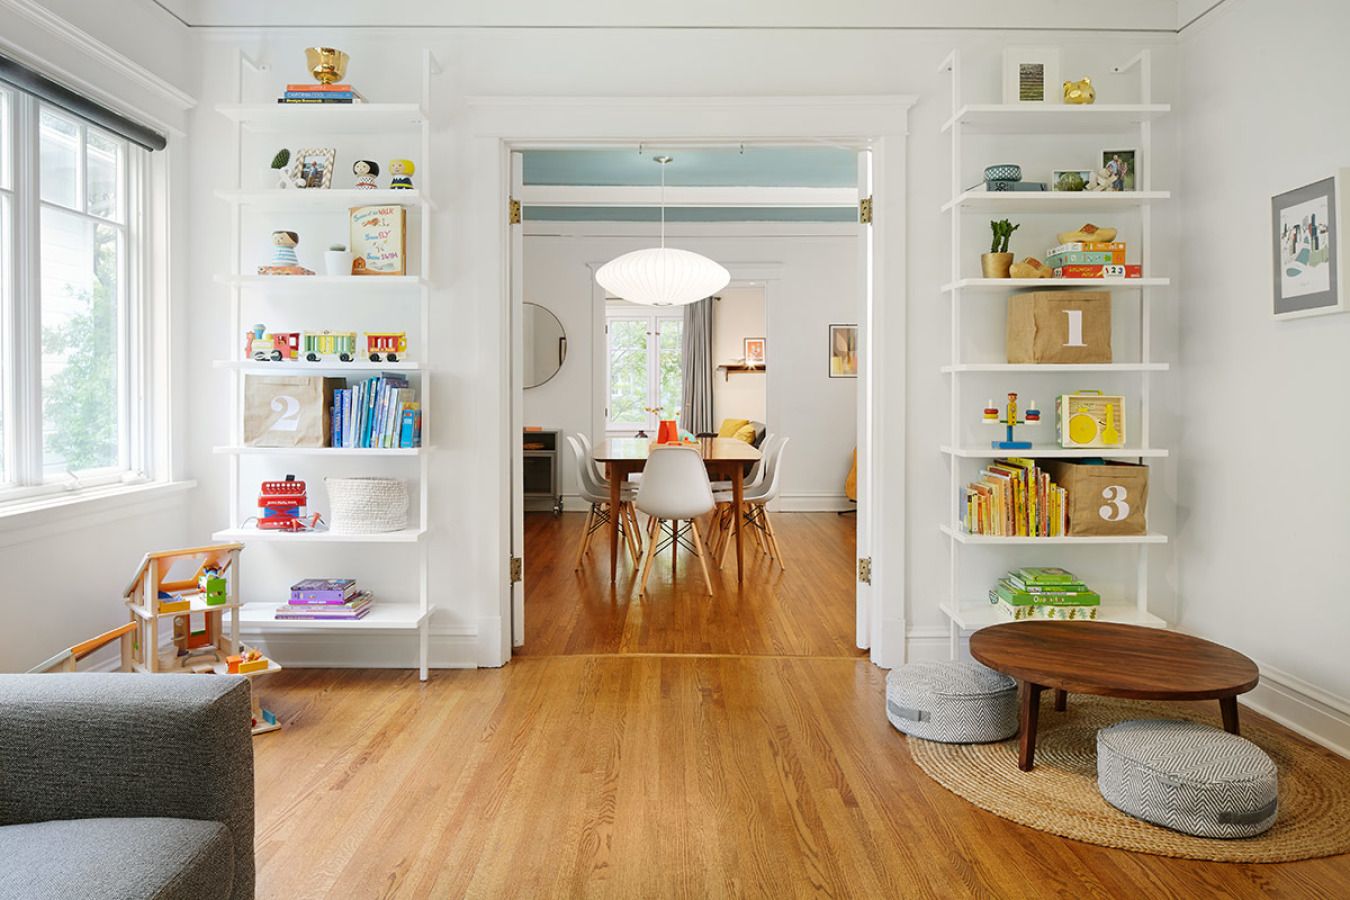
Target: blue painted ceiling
{"points": [[715, 167]]}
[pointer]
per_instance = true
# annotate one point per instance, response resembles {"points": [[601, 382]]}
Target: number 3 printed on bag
{"points": [[1115, 509], [289, 407]]}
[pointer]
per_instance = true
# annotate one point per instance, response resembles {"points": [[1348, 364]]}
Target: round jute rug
{"points": [[1060, 794]]}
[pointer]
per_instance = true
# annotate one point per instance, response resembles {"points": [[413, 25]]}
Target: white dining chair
{"points": [[675, 490], [755, 509], [597, 495]]}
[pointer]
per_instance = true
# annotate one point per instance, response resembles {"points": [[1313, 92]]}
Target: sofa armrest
{"points": [[77, 746]]}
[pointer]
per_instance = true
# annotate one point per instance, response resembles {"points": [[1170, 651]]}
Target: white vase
{"points": [[337, 262], [278, 178]]}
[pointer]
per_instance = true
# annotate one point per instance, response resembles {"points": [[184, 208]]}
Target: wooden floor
{"points": [[669, 747]]}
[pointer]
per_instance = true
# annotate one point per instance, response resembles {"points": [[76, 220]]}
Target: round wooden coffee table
{"points": [[1111, 660]]}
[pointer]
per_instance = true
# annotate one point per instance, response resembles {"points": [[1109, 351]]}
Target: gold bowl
{"points": [[326, 64]]}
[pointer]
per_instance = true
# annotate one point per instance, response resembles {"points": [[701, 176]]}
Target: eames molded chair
{"points": [[755, 509], [597, 495], [675, 489]]}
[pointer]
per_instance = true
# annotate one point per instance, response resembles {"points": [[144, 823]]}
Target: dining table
{"points": [[725, 458]]}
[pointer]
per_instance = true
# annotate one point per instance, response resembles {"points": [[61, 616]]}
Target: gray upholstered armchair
{"points": [[117, 786]]}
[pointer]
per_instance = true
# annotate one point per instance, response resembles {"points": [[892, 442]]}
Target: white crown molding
{"points": [[94, 49]]}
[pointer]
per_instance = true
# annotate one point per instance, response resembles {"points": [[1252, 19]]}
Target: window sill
{"points": [[26, 520]]}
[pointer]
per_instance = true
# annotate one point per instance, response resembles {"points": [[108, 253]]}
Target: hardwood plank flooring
{"points": [[628, 763]]}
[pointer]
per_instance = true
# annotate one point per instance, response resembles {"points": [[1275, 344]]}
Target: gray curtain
{"points": [[696, 408]]}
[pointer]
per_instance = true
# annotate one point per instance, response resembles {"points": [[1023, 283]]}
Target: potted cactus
{"points": [[336, 260], [997, 262], [278, 170]]}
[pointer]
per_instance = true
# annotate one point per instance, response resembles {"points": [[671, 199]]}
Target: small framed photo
{"points": [[1124, 168], [1309, 246], [1031, 75], [843, 351], [1071, 179], [754, 351], [313, 167]]}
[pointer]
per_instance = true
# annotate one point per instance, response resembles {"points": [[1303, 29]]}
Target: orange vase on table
{"points": [[669, 432]]}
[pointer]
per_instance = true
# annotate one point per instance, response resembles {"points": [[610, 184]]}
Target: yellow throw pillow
{"points": [[729, 427], [745, 433]]}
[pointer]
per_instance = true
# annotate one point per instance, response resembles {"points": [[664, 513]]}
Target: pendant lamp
{"points": [[662, 276]]}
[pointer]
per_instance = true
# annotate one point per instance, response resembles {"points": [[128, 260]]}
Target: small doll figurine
{"points": [[365, 171], [284, 261], [400, 171]]}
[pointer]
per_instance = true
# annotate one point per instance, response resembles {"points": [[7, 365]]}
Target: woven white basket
{"points": [[363, 505]]}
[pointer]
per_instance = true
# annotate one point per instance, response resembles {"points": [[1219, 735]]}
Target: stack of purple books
{"points": [[336, 599]]}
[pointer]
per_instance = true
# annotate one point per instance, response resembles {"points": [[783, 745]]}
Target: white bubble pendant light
{"points": [[662, 276]]}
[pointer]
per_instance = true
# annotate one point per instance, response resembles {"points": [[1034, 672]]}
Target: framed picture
{"points": [[754, 351], [1031, 75], [1306, 230], [1070, 179], [313, 167], [378, 240], [1124, 165], [843, 351]]}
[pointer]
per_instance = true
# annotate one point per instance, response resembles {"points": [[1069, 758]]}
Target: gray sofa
{"points": [[125, 786]]}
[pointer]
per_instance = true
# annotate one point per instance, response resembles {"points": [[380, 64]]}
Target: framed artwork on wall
{"points": [[754, 351], [843, 351], [1308, 248], [1031, 75]]}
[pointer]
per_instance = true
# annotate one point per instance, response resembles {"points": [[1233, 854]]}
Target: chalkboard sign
{"points": [[379, 240]]}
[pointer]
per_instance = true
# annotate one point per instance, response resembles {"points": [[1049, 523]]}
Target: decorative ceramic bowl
{"points": [[1005, 172]]}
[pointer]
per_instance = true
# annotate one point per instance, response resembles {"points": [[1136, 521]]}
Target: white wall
{"points": [[739, 313], [810, 278], [1265, 510]]}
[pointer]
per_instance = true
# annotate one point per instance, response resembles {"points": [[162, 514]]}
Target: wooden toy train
{"points": [[316, 346]]}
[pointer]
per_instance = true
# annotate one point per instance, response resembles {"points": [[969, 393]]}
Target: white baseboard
{"points": [[1302, 707], [931, 644], [811, 501]]}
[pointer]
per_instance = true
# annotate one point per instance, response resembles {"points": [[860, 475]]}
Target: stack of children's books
{"points": [[378, 412], [1014, 498], [1044, 592], [1091, 259], [321, 93], [336, 599]]}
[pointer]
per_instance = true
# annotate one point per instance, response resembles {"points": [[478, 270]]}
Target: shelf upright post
{"points": [[430, 66], [952, 64]]}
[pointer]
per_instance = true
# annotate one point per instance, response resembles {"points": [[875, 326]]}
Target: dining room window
{"points": [[644, 369]]}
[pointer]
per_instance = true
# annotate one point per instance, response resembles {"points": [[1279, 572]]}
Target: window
{"points": [[70, 361], [644, 365]]}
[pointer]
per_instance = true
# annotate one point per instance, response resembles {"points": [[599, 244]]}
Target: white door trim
{"points": [[499, 125]]}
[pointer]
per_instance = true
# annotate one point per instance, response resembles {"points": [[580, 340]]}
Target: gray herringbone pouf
{"points": [[953, 702], [1188, 777]]}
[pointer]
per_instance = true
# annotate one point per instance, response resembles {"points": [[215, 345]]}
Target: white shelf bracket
{"points": [[1144, 60]]}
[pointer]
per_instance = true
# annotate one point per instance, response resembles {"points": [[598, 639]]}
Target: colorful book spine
{"points": [[1085, 258], [315, 100], [326, 96], [1087, 247], [320, 88], [323, 590], [1101, 271]]}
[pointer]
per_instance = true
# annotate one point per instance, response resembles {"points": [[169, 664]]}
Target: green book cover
{"points": [[1021, 585], [1045, 575], [1009, 594]]}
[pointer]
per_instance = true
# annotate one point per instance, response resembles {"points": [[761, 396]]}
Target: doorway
{"points": [[873, 126]]}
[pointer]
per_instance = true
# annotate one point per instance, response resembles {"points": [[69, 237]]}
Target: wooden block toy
{"points": [[251, 665], [232, 664]]}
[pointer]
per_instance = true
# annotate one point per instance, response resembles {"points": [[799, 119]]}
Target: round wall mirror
{"points": [[544, 343]]}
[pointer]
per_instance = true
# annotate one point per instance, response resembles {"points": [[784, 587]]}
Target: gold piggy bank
{"points": [[1079, 91]]}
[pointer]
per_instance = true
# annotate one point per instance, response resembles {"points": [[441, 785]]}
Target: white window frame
{"points": [[620, 310], [24, 481]]}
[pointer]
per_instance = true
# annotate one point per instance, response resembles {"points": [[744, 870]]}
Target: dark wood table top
{"points": [[1114, 660], [638, 449]]}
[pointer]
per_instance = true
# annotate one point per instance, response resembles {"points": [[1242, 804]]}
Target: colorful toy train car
{"points": [[278, 346], [341, 344], [386, 344]]}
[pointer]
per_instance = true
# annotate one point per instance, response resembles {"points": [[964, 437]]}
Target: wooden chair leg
{"points": [[773, 538], [585, 541], [651, 554], [629, 538], [637, 529], [702, 556], [755, 530], [674, 544], [728, 538]]}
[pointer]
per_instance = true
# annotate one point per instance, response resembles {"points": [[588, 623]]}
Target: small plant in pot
{"points": [[336, 260], [997, 262], [278, 169]]}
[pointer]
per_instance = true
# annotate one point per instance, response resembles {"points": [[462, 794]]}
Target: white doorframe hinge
{"points": [[865, 569], [513, 210], [517, 570], [865, 210]]}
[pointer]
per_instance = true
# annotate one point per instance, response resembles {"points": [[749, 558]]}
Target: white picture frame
{"points": [[1088, 176], [1298, 288], [312, 167], [1130, 157], [1022, 66]]}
